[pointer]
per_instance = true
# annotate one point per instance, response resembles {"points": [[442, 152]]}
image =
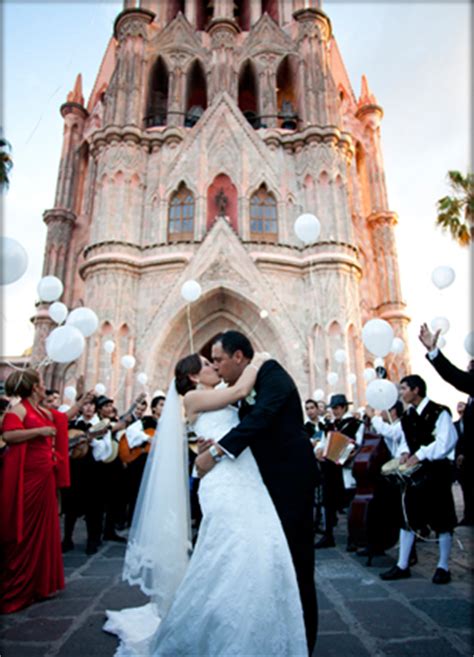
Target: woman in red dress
{"points": [[35, 464]]}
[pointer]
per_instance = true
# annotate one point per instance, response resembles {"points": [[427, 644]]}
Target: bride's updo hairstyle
{"points": [[188, 365]]}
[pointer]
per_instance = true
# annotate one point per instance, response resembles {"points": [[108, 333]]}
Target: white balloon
{"points": [[381, 394], [65, 344], [83, 319], [440, 324], [377, 336], [351, 378], [340, 356], [142, 378], [441, 342], [469, 343], [50, 288], [318, 394], [70, 392], [379, 362], [128, 361], [443, 276], [64, 408], [191, 291], [58, 312], [332, 378], [263, 314], [369, 374], [307, 228], [100, 388], [14, 261], [398, 346], [109, 346]]}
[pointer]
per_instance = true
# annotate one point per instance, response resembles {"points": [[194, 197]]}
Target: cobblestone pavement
{"points": [[360, 615]]}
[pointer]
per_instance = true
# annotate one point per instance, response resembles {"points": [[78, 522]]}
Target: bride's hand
{"points": [[203, 444], [260, 358]]}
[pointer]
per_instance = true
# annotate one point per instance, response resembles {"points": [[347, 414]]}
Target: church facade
{"points": [[210, 128]]}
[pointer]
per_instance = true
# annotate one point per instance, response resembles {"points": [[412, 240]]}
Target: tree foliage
{"points": [[6, 163], [456, 212]]}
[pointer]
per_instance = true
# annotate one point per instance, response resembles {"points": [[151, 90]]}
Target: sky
{"points": [[416, 57]]}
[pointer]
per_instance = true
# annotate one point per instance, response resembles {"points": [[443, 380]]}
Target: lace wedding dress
{"points": [[239, 596]]}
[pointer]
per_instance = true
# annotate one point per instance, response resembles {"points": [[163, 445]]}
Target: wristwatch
{"points": [[215, 454]]}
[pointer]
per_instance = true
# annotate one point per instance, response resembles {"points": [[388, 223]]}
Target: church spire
{"points": [[75, 96], [366, 96]]}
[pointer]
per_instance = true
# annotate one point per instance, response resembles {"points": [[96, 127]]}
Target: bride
{"points": [[238, 594]]}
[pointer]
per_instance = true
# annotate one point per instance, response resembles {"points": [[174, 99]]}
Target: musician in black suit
{"points": [[464, 382], [334, 491], [273, 428]]}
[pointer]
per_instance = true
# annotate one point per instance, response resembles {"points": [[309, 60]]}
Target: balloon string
{"points": [[190, 327], [15, 367]]}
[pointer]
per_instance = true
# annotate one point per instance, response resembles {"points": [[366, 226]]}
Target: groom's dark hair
{"points": [[233, 341]]}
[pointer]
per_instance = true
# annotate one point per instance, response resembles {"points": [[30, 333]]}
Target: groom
{"points": [[272, 426]]}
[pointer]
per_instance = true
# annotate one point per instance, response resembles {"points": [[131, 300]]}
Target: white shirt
{"points": [[392, 434], [135, 435], [442, 447]]}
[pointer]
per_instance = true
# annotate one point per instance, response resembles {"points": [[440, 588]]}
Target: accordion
{"points": [[338, 447]]}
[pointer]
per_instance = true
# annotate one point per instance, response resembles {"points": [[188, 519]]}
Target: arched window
{"points": [[248, 94], [157, 113], [242, 14], [263, 216], [287, 97], [196, 94], [181, 215]]}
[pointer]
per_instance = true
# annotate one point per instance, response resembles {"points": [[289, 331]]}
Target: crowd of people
{"points": [[95, 457]]}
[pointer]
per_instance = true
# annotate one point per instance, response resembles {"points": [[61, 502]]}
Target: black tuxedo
{"points": [[273, 429], [464, 382]]}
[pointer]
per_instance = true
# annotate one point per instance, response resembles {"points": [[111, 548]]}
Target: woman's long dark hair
{"points": [[188, 365]]}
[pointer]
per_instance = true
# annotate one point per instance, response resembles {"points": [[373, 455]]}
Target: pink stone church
{"points": [[211, 126]]}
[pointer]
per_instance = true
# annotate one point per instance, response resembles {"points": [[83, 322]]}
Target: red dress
{"points": [[29, 520]]}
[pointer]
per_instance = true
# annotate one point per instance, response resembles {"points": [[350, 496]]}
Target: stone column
{"points": [[315, 31], [126, 91], [223, 32]]}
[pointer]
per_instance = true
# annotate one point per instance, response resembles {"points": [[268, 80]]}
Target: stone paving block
{"points": [[327, 555], [120, 596], [16, 649], [336, 569], [114, 551], [103, 567], [448, 612], [339, 645], [38, 629], [361, 588], [323, 600], [388, 619], [85, 587], [58, 608], [330, 621], [421, 648], [72, 560], [89, 640], [426, 589]]}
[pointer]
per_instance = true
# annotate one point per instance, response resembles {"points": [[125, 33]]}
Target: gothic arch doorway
{"points": [[217, 311]]}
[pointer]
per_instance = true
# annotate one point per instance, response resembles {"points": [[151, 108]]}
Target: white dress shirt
{"points": [[442, 447], [135, 435]]}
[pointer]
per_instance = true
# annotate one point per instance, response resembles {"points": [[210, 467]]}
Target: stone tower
{"points": [[210, 127]]}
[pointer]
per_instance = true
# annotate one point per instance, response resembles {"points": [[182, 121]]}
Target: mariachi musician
{"points": [[134, 448], [84, 495], [334, 494], [426, 436]]}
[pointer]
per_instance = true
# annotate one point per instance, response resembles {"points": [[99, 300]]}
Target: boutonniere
{"points": [[251, 398]]}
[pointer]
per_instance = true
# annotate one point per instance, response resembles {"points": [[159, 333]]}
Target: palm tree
{"points": [[456, 212], [6, 163]]}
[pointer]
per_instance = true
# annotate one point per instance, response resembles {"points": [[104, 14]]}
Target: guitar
{"points": [[79, 440], [126, 453]]}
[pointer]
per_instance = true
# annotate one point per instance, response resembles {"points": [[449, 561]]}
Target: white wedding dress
{"points": [[239, 596]]}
